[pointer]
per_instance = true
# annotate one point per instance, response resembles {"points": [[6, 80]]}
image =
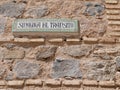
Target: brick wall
{"points": [[50, 84], [90, 61]]}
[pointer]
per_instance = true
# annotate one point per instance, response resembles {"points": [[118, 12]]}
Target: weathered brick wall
{"points": [[88, 62], [37, 84]]}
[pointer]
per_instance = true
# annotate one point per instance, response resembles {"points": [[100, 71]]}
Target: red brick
{"points": [[113, 7], [2, 83], [15, 83], [113, 17], [73, 40], [108, 40], [38, 40], [107, 83], [113, 12], [115, 34], [114, 22], [90, 40], [53, 82], [33, 82], [56, 40], [90, 82], [71, 82], [21, 40], [111, 1]]}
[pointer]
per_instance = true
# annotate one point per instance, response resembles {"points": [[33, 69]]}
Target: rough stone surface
{"points": [[3, 21], [45, 52], [106, 54], [2, 70], [77, 51], [12, 9], [97, 28], [10, 76], [37, 12], [2, 53], [25, 69], [14, 54], [118, 63], [66, 68], [8, 45], [99, 70], [94, 9], [103, 56]]}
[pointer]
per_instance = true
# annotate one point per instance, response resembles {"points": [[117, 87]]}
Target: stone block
{"points": [[3, 69], [36, 12], [11, 9], [94, 9], [66, 68], [24, 69], [117, 59], [45, 52], [10, 76], [77, 50], [2, 53], [99, 70]]}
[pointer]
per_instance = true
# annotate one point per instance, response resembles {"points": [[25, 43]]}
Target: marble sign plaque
{"points": [[45, 27]]}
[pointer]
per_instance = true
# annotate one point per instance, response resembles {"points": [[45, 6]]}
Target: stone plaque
{"points": [[45, 27]]}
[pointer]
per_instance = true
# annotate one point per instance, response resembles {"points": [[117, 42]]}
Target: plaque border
{"points": [[14, 29]]}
